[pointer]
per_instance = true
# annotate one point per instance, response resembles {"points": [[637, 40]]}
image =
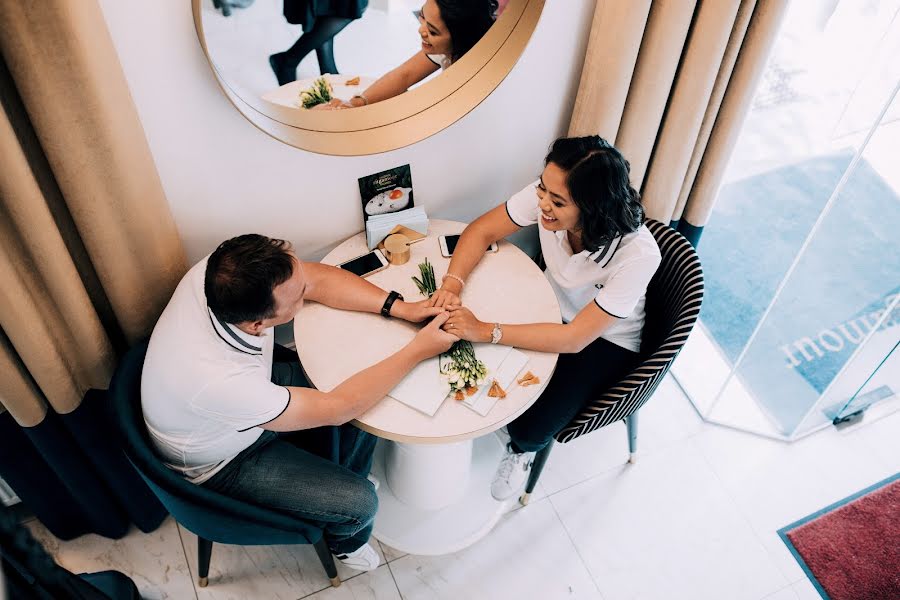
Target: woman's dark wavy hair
{"points": [[597, 176], [467, 21], [241, 274]]}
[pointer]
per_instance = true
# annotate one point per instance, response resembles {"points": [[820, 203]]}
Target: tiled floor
{"points": [[694, 518]]}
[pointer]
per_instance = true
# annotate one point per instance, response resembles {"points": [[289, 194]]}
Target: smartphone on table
{"points": [[366, 264], [448, 245]]}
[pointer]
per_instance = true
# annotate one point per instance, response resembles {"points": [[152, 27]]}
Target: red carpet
{"points": [[851, 549]]}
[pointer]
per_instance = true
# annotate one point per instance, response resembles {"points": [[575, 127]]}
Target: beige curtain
{"points": [[669, 82], [89, 253]]}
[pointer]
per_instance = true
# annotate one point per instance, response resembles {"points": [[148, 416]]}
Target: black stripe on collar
{"points": [[247, 348]]}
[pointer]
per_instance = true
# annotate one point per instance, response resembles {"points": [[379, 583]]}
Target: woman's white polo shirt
{"points": [[206, 385], [614, 277]]}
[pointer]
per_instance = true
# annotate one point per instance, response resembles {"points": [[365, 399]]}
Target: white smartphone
{"points": [[366, 264], [448, 245]]}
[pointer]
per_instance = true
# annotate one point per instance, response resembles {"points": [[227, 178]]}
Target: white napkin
{"points": [[379, 226], [424, 389], [505, 374]]}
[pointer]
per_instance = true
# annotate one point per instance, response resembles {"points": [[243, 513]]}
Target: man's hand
{"points": [[415, 312], [432, 340], [463, 323]]}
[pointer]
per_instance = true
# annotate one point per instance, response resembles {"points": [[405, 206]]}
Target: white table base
{"points": [[428, 476], [432, 532]]}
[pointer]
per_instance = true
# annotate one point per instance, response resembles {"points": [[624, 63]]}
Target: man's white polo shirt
{"points": [[615, 277], [206, 385]]}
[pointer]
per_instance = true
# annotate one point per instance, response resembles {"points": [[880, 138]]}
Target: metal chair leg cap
{"points": [[203, 581], [335, 581], [523, 499]]}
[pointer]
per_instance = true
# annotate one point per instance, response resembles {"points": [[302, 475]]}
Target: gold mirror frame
{"points": [[404, 119]]}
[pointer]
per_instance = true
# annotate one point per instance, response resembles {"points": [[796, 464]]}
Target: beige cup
{"points": [[396, 249]]}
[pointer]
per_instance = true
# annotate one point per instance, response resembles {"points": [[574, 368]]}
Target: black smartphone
{"points": [[448, 245], [366, 264]]}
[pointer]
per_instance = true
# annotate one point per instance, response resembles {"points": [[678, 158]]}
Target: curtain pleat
{"points": [[89, 256], [761, 32], [680, 132], [67, 73], [616, 32], [651, 85], [669, 82]]}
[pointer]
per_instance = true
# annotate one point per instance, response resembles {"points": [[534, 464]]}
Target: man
{"points": [[218, 410]]}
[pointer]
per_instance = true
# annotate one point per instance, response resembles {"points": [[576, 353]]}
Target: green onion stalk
{"points": [[463, 371]]}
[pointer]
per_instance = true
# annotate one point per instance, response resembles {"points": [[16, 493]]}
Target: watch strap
{"points": [[389, 302]]}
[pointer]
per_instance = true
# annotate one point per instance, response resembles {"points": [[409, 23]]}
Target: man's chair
{"points": [[673, 303], [211, 516]]}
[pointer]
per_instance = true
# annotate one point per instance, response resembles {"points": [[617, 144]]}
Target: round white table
{"points": [[435, 470]]}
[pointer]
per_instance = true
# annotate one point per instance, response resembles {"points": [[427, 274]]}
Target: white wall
{"points": [[224, 177]]}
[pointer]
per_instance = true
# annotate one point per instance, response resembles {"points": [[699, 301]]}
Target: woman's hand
{"points": [[447, 295], [333, 104], [463, 323]]}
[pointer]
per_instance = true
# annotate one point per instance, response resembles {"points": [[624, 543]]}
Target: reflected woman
{"points": [[449, 29], [600, 258]]}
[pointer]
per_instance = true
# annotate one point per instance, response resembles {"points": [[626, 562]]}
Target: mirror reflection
{"points": [[339, 54]]}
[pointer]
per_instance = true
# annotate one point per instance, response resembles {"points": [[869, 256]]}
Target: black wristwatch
{"points": [[386, 309]]}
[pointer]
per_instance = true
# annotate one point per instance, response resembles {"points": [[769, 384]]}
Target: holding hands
{"points": [[448, 294], [466, 326], [432, 340]]}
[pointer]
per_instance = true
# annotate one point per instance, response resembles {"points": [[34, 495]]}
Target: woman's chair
{"points": [[211, 516], [673, 303]]}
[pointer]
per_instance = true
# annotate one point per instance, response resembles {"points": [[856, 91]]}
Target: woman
{"points": [[321, 20], [600, 258], [449, 29]]}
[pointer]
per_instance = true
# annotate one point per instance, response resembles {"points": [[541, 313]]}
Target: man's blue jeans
{"points": [[292, 472]]}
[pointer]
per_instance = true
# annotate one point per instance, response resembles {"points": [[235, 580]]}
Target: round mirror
{"points": [[352, 77]]}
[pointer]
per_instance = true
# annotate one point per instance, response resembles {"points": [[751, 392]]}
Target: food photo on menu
{"points": [[387, 202], [386, 192]]}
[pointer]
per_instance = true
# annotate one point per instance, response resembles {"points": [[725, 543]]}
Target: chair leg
{"points": [[539, 461], [327, 561], [204, 552], [631, 423]]}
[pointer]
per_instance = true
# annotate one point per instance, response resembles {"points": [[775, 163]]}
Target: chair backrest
{"points": [[673, 303], [210, 515]]}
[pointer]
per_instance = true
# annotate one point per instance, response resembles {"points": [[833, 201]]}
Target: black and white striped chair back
{"points": [[673, 303]]}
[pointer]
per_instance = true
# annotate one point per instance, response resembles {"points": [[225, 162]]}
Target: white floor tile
{"points": [[375, 585], [155, 561], [667, 418], [527, 556], [805, 590], [276, 572], [390, 554], [666, 528], [882, 438], [787, 593], [775, 483]]}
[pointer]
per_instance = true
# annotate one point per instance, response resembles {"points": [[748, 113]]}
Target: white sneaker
{"points": [[363, 558], [375, 481], [511, 474]]}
